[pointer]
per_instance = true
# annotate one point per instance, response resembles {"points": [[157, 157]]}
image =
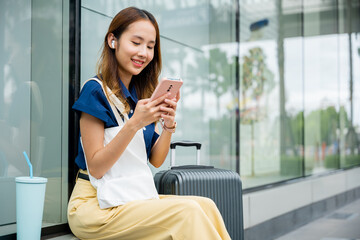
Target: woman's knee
{"points": [[193, 205], [205, 202], [190, 207]]}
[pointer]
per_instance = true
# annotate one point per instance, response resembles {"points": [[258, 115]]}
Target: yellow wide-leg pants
{"points": [[170, 217]]}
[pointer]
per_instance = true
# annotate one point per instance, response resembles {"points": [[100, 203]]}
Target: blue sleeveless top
{"points": [[92, 100]]}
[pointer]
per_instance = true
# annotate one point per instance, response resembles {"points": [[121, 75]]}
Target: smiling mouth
{"points": [[137, 63]]}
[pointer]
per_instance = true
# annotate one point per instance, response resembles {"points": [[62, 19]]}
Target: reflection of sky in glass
{"points": [[293, 73], [321, 72], [344, 73], [356, 79]]}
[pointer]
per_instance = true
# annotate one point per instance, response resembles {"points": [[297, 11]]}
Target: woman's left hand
{"points": [[170, 109]]}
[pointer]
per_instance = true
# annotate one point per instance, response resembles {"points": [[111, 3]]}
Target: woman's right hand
{"points": [[147, 112]]}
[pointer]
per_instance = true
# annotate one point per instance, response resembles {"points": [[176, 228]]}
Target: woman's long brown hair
{"points": [[107, 67]]}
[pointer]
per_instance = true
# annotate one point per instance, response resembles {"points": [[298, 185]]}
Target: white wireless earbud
{"points": [[113, 43]]}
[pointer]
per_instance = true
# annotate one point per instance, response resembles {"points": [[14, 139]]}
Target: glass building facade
{"points": [[299, 88], [34, 96], [271, 88]]}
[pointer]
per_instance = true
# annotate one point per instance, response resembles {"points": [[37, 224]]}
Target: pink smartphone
{"points": [[171, 85]]}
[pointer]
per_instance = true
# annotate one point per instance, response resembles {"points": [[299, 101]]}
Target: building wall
{"points": [[265, 205]]}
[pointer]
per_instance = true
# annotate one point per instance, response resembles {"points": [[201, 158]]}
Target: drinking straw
{"points": [[29, 163]]}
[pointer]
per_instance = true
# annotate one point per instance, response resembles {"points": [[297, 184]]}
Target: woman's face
{"points": [[135, 49]]}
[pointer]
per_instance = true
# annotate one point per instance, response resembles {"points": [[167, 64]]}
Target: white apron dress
{"points": [[130, 178]]}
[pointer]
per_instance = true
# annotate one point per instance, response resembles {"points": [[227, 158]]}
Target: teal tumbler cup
{"points": [[30, 197]]}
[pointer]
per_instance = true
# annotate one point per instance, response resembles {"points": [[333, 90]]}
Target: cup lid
{"points": [[31, 180]]}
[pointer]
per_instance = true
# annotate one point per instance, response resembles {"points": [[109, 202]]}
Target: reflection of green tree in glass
{"points": [[256, 81], [297, 128], [321, 126], [220, 75], [320, 132], [352, 140], [215, 71], [350, 147], [209, 73]]}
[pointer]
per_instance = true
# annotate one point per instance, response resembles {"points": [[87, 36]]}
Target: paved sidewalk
{"points": [[342, 224], [63, 237]]}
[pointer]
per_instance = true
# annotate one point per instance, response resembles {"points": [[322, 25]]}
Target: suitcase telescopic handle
{"points": [[184, 144]]}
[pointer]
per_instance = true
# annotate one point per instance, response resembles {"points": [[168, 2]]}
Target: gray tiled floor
{"points": [[342, 224], [64, 237]]}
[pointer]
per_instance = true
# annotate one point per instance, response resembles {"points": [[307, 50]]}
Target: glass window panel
{"points": [[349, 81], [15, 75], [220, 84], [47, 107], [355, 70], [353, 158], [271, 108], [191, 65], [33, 103], [173, 17], [321, 92], [93, 29]]}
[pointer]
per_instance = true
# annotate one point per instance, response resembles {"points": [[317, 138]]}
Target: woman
{"points": [[114, 196]]}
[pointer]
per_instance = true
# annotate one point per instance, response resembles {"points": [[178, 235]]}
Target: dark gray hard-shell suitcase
{"points": [[222, 186]]}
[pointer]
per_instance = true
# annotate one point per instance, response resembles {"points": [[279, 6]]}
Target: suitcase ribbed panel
{"points": [[222, 186]]}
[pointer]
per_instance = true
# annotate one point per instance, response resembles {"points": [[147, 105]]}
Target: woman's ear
{"points": [[111, 41]]}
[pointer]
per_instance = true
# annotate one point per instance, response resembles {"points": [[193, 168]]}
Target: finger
{"points": [[158, 116], [159, 112], [172, 103], [169, 111], [143, 101], [159, 99], [163, 104], [168, 118], [158, 108]]}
